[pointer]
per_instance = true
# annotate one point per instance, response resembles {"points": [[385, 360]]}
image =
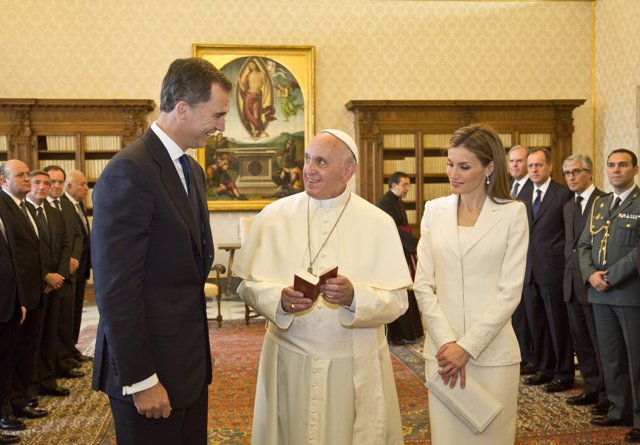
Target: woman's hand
{"points": [[452, 359]]}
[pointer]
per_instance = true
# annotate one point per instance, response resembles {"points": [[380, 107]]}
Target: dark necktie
{"points": [[43, 227], [56, 202], [537, 202], [616, 203], [577, 216], [4, 232], [184, 161], [514, 192], [81, 215], [23, 206]]}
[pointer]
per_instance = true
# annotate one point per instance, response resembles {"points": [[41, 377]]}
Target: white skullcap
{"points": [[344, 137]]}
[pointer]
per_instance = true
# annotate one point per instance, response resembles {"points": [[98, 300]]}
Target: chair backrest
{"points": [[244, 226]]}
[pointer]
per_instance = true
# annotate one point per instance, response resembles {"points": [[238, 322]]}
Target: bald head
{"points": [[76, 185], [14, 178]]}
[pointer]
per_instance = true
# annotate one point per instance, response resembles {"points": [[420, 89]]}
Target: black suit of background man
{"points": [[408, 327], [82, 274], [54, 254], [546, 311], [519, 316], [580, 312], [10, 303]]}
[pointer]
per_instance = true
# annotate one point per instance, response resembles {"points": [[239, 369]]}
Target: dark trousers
{"points": [[78, 301], [9, 335], [49, 345], [24, 365], [186, 426], [585, 344], [65, 332], [549, 326], [523, 333], [618, 329]]}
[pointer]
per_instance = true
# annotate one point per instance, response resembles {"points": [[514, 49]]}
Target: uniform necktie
{"points": [[186, 171], [616, 203], [577, 216], [537, 202], [56, 202], [514, 191], [43, 227]]}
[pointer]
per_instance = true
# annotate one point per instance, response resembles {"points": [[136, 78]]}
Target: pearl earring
{"points": [[488, 181]]}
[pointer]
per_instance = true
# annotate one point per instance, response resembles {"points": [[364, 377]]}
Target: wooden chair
{"points": [[244, 226], [214, 290]]}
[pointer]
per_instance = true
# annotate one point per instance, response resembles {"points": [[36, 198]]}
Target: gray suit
{"points": [[617, 310]]}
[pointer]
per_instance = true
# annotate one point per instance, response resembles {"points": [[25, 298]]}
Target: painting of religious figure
{"points": [[260, 155]]}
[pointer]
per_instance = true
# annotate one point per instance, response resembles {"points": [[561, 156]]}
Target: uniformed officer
{"points": [[608, 250]]}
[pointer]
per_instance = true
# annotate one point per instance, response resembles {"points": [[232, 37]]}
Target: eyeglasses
{"points": [[574, 172]]}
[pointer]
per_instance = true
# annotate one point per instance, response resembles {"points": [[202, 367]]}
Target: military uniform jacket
{"points": [[609, 242]]}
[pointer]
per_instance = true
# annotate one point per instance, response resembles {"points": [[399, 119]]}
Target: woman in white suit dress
{"points": [[471, 263]]}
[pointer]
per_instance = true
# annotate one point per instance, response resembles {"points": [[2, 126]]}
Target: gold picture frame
{"points": [[259, 156]]}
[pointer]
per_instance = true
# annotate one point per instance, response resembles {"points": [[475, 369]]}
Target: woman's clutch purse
{"points": [[473, 404]]}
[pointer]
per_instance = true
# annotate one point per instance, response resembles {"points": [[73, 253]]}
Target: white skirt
{"points": [[501, 382]]}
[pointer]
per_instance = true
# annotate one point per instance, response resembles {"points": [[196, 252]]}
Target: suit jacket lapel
{"points": [[586, 213], [173, 185], [549, 196], [19, 216], [449, 223], [486, 221]]}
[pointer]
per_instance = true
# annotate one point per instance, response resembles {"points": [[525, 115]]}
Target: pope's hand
{"points": [[293, 301], [338, 290]]}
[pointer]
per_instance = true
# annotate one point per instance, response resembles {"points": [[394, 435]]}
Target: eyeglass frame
{"points": [[575, 172]]}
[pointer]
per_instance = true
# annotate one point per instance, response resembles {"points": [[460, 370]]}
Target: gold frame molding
{"points": [[300, 63]]}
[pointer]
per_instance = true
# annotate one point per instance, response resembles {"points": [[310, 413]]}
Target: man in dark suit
{"points": [[546, 310], [15, 186], [65, 356], [577, 170], [407, 328], [521, 185], [152, 251], [55, 249], [608, 260], [12, 311], [76, 189]]}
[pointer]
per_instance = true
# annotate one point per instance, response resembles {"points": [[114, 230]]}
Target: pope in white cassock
{"points": [[325, 373]]}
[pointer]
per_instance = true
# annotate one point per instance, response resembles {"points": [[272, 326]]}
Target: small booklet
{"points": [[310, 285], [473, 405]]}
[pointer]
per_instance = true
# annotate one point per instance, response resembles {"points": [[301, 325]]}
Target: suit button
{"points": [[574, 250]]}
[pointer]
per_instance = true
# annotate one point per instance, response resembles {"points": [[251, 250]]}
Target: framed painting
{"points": [[259, 156]]}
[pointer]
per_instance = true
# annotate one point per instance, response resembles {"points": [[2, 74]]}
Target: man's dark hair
{"points": [[634, 158], [57, 168], [396, 177], [190, 80], [547, 153]]}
